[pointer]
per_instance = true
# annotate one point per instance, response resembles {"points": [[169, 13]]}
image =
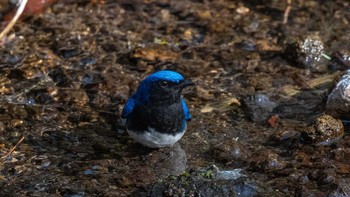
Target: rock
{"points": [[285, 138], [338, 101], [209, 183], [340, 60], [259, 107], [231, 151], [324, 131], [228, 174], [267, 160], [343, 188], [306, 52]]}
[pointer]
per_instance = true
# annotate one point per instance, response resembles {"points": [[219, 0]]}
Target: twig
{"points": [[3, 158], [19, 11], [329, 58], [286, 11]]}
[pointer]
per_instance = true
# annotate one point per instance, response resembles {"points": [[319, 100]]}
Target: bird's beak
{"points": [[185, 83]]}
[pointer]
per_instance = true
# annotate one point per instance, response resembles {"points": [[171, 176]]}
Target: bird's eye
{"points": [[163, 84]]}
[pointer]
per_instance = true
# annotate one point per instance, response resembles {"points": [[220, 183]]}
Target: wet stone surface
{"points": [[307, 52], [259, 107], [210, 182], [338, 100], [67, 70], [325, 131]]}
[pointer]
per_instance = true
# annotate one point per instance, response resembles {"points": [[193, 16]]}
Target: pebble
{"points": [[338, 101], [307, 52], [231, 150], [259, 107], [326, 130]]}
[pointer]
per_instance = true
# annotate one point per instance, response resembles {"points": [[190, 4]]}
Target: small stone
{"points": [[204, 14], [89, 172], [324, 131], [45, 164], [267, 160], [228, 174], [340, 60], [231, 151], [273, 121], [5, 85], [338, 101], [242, 9], [307, 52], [259, 107], [284, 138]]}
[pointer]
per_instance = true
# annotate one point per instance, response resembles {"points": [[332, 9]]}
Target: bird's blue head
{"points": [[160, 88], [165, 75]]}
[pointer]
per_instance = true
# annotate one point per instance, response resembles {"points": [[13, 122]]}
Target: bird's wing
{"points": [[186, 111], [129, 106]]}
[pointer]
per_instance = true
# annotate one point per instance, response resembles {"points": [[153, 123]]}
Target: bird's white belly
{"points": [[153, 139]]}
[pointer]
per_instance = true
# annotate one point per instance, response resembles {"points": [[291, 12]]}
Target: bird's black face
{"points": [[167, 92]]}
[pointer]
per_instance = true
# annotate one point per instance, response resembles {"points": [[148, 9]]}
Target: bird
{"points": [[156, 114]]}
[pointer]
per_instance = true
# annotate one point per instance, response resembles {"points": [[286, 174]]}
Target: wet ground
{"points": [[258, 126]]}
